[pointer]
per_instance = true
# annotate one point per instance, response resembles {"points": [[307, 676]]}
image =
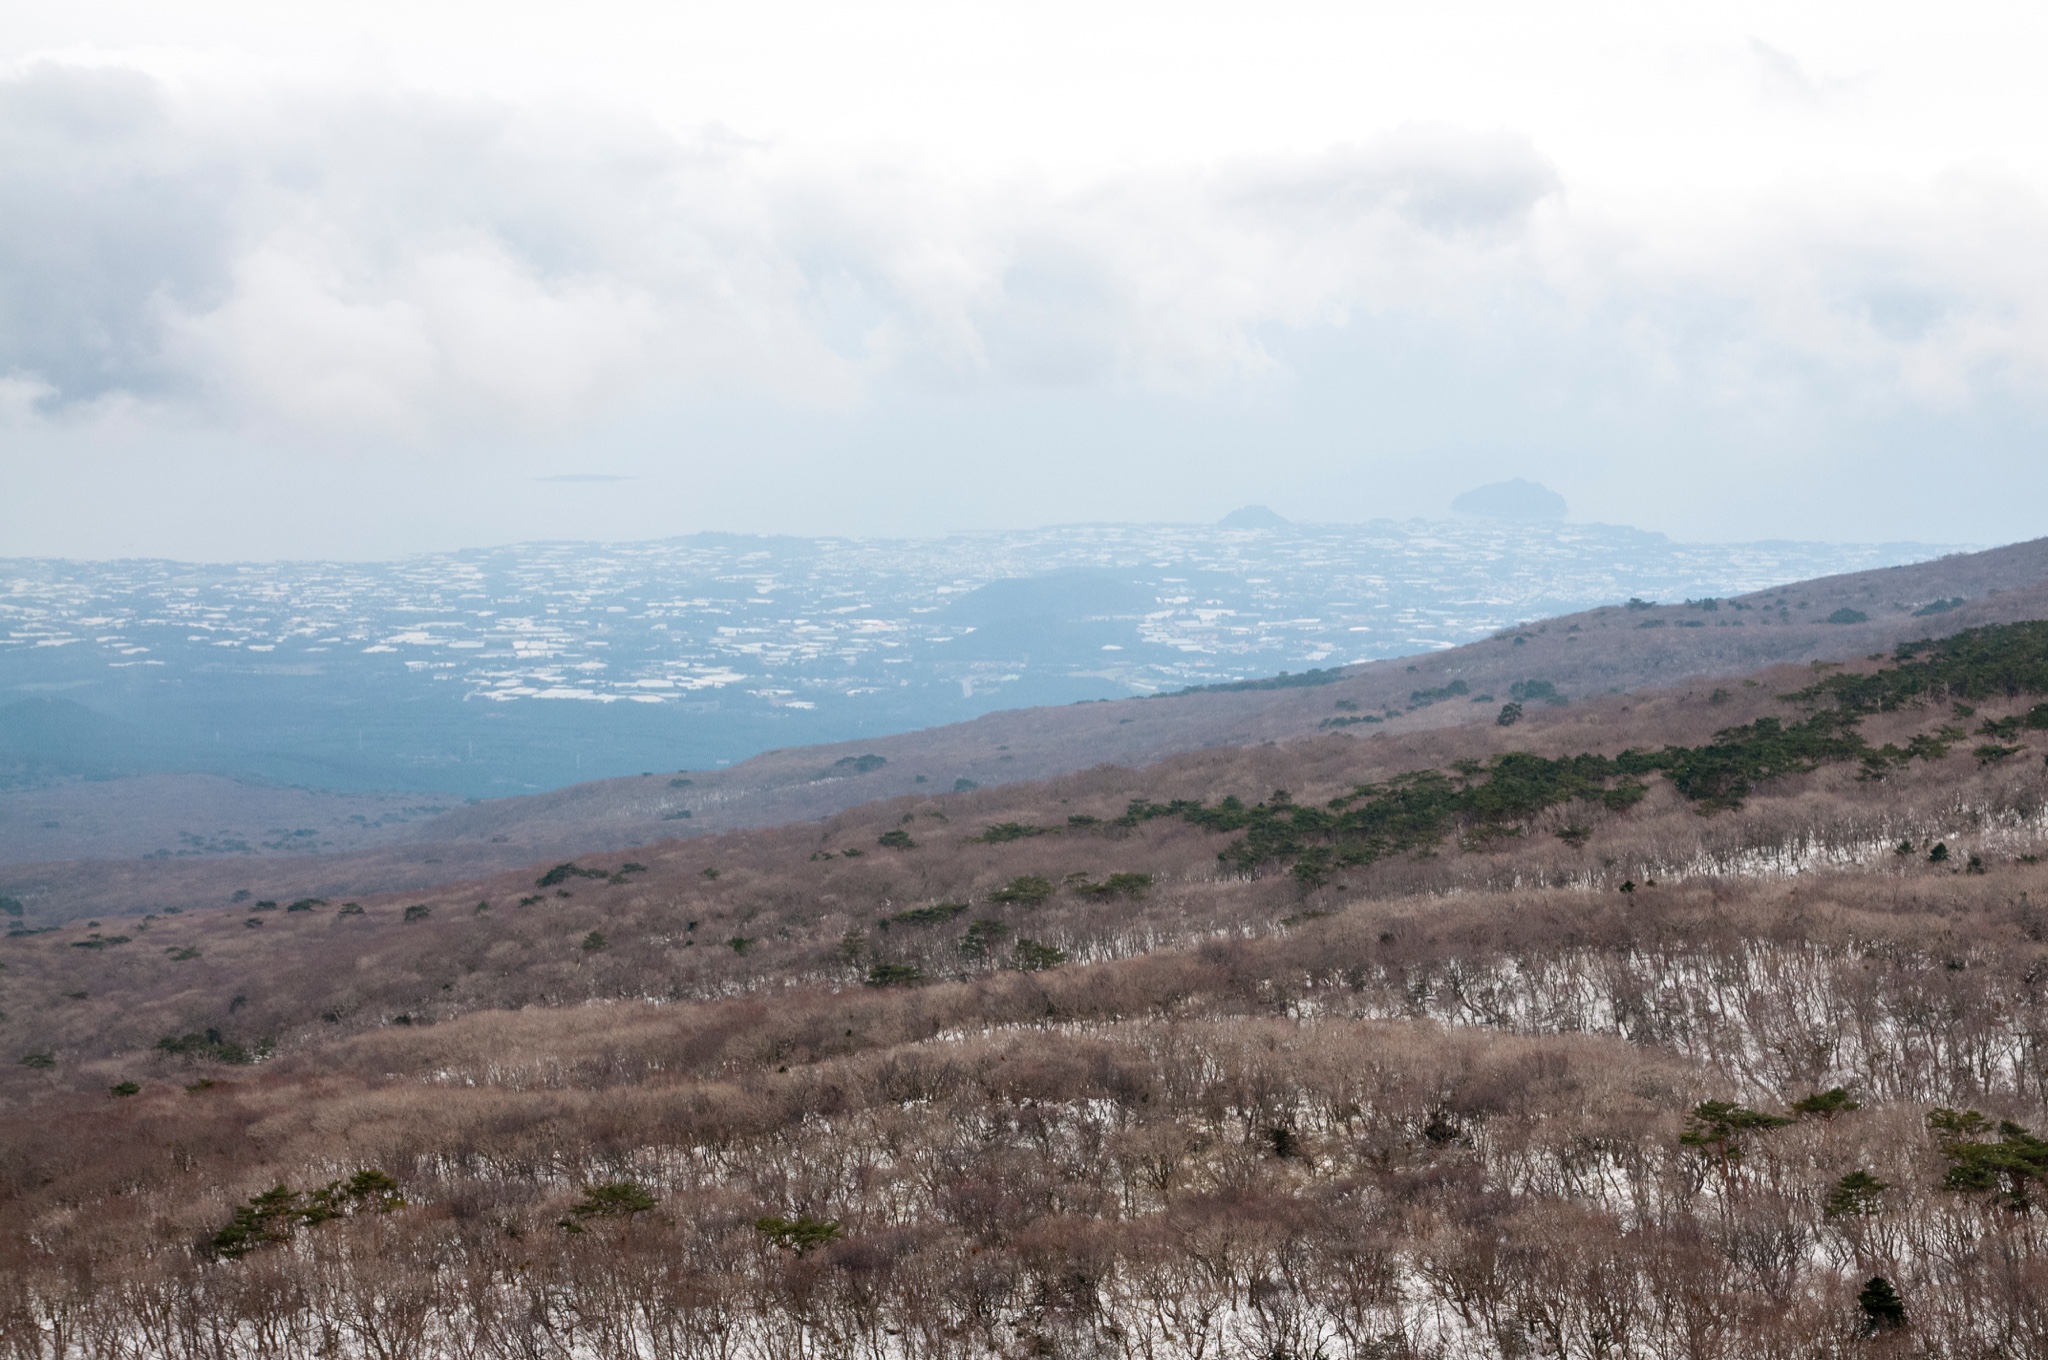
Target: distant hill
{"points": [[1253, 517], [1514, 499]]}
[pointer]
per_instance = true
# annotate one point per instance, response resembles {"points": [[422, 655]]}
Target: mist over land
{"points": [[509, 670]]}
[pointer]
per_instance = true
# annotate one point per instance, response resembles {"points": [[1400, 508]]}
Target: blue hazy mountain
{"points": [[1514, 499], [1252, 517], [511, 669]]}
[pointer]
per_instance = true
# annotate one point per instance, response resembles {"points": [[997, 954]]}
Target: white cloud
{"points": [[1773, 270], [388, 261], [449, 336]]}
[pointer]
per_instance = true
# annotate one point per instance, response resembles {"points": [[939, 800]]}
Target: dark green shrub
{"points": [[898, 839], [1720, 1129], [895, 975], [858, 764], [1283, 680], [593, 942], [1423, 698], [2012, 1166], [565, 871], [210, 1045], [1825, 1105], [1847, 615], [964, 785], [1028, 890], [980, 939], [1417, 810], [1883, 1310], [1116, 885], [418, 912], [39, 1062], [2035, 719], [1030, 956], [613, 1199], [278, 1212], [2002, 661], [268, 1217], [1510, 714], [937, 914], [1856, 1195], [124, 1088], [1009, 831], [800, 1234]]}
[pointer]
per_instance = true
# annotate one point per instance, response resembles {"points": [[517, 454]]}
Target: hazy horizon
{"points": [[362, 281], [1444, 518]]}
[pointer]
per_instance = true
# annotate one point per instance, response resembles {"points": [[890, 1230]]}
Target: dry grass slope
{"points": [[1009, 1072]]}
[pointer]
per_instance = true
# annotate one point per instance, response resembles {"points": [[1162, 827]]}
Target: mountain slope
{"points": [[1581, 655], [1666, 1022], [1595, 652]]}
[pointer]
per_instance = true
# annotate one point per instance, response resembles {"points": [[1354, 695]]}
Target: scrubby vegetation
{"points": [[1689, 1025], [1298, 680]]}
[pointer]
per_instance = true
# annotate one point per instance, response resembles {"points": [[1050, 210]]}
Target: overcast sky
{"points": [[354, 280]]}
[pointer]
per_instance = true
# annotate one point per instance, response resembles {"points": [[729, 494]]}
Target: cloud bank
{"points": [[327, 268]]}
